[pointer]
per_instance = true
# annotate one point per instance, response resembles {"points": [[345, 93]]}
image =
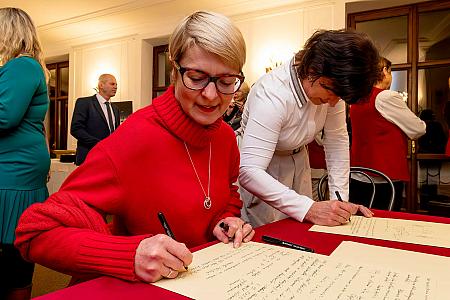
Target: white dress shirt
{"points": [[102, 102], [391, 106], [278, 116]]}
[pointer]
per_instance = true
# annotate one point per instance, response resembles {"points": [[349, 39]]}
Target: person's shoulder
{"points": [[141, 125], [86, 99], [24, 64], [22, 61], [144, 115], [386, 94], [277, 76], [389, 98], [274, 85]]}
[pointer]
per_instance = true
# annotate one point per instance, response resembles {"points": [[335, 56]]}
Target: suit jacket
{"points": [[89, 125]]}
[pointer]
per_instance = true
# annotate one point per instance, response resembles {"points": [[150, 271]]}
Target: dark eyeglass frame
{"points": [[213, 79]]}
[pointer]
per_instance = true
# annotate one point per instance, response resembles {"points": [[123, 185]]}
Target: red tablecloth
{"points": [[288, 229]]}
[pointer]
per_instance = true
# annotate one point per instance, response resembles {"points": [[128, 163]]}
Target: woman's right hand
{"points": [[160, 256]]}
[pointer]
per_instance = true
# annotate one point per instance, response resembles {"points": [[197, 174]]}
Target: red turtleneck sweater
{"points": [[141, 169]]}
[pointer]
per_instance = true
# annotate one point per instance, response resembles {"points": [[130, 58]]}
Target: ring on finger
{"points": [[170, 273]]}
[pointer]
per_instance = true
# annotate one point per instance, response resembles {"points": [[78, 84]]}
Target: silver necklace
{"points": [[207, 201]]}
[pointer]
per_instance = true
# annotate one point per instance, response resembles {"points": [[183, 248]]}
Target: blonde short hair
{"points": [[212, 32], [18, 36]]}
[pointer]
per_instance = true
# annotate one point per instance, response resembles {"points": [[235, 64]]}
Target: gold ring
{"points": [[170, 273]]}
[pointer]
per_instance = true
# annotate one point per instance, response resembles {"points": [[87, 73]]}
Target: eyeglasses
{"points": [[197, 80]]}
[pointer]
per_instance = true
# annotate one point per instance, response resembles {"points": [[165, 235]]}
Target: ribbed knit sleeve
{"points": [[66, 235], [109, 255], [82, 253], [68, 232]]}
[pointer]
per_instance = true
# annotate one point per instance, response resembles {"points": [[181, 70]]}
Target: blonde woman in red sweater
{"points": [[175, 156]]}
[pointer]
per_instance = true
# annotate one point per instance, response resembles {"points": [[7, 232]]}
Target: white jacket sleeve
{"points": [[336, 146], [391, 106], [266, 113]]}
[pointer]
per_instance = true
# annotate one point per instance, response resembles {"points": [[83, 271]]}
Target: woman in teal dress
{"points": [[24, 156]]}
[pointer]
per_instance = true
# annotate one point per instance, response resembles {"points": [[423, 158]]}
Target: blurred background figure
{"points": [[24, 155], [233, 115], [381, 126], [95, 117], [447, 119], [434, 140]]}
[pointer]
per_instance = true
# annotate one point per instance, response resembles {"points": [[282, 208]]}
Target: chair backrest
{"points": [[322, 189]]}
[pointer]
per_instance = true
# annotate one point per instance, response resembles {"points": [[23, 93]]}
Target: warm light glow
{"points": [[95, 74], [273, 55], [98, 61]]}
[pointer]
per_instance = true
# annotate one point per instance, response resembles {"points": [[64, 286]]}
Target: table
{"points": [[288, 229], [58, 173]]}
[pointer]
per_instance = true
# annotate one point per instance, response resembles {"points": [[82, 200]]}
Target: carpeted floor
{"points": [[46, 281]]}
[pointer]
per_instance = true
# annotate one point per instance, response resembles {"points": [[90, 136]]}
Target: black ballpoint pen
{"points": [[276, 241], [340, 199], [167, 229], [165, 225], [338, 196]]}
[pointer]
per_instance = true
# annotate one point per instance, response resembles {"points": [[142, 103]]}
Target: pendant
{"points": [[207, 202]]}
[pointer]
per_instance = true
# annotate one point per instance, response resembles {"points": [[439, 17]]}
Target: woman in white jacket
{"points": [[284, 111]]}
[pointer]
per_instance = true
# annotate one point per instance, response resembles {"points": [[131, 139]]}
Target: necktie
{"points": [[110, 121]]}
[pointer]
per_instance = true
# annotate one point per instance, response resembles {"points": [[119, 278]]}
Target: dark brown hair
{"points": [[348, 58], [383, 63]]}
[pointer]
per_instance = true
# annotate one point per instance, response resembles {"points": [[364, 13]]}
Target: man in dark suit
{"points": [[94, 118]]}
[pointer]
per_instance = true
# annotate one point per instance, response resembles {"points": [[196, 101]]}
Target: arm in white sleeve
{"points": [[266, 113], [391, 106], [336, 146]]}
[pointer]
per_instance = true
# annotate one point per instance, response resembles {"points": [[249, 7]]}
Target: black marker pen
{"points": [[276, 241]]}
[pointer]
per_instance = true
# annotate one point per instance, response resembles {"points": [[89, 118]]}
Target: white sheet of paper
{"points": [[262, 271], [434, 266], [415, 232]]}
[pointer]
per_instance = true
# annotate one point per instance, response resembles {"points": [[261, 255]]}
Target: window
{"points": [[58, 89]]}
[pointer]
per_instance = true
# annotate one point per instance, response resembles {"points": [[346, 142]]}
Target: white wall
{"points": [[272, 35], [118, 57]]}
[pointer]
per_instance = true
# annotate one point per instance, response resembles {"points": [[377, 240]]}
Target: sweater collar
{"points": [[180, 124]]}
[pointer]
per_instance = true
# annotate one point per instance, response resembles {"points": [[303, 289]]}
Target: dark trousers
{"points": [[15, 272], [360, 193]]}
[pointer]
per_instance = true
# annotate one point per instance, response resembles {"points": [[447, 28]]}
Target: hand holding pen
{"points": [[356, 208], [340, 199], [160, 256], [334, 212], [234, 229]]}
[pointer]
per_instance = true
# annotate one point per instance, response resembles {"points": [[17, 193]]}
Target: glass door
{"points": [[416, 38]]}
